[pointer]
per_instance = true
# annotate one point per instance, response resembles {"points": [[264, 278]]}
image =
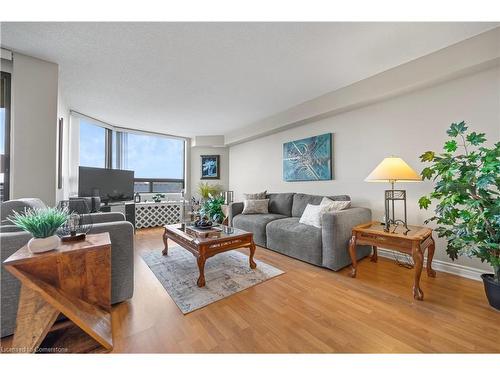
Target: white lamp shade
{"points": [[393, 169]]}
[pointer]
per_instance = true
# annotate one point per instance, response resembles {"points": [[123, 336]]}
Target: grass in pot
{"points": [[466, 193], [42, 224]]}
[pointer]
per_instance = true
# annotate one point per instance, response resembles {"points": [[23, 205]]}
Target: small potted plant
{"points": [[42, 223], [158, 197], [467, 176]]}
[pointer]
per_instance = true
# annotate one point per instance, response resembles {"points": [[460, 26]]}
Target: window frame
{"points": [[151, 182], [118, 150], [7, 98]]}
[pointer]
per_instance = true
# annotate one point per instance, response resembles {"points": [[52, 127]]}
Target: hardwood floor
{"points": [[310, 310]]}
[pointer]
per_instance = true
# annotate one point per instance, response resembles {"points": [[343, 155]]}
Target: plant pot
{"points": [[40, 245], [492, 289]]}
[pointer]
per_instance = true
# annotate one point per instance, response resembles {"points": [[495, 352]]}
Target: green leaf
{"points": [[424, 202], [475, 138], [484, 181], [451, 146], [427, 173], [457, 129], [427, 156]]}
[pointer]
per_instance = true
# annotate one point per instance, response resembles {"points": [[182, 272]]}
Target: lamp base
{"points": [[392, 196]]}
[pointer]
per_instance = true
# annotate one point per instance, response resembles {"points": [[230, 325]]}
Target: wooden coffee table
{"points": [[226, 239], [413, 242]]}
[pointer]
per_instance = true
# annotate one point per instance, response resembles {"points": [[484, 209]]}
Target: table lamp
{"points": [[390, 170]]}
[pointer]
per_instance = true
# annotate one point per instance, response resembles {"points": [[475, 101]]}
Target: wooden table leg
{"points": [[34, 319], [201, 266], [252, 253], [352, 252], [418, 259], [430, 256], [374, 257], [165, 242]]}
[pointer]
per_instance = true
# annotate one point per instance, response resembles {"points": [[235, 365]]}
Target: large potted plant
{"points": [[212, 209], [43, 224], [467, 180]]}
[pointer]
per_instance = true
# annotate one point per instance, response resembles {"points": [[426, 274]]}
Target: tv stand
{"points": [[127, 208]]}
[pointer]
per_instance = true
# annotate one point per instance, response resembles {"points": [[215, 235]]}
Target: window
{"points": [[153, 156], [158, 161], [92, 145]]}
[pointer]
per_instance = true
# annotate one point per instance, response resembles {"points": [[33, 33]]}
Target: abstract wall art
{"points": [[308, 159]]}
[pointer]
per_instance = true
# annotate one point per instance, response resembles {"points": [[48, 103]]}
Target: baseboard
{"points": [[439, 265]]}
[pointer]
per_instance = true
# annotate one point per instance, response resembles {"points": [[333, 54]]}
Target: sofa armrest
{"points": [[235, 208], [9, 228], [10, 242], [104, 217], [336, 232], [121, 234]]}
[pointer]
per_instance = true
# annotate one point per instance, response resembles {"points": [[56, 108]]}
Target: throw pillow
{"points": [[331, 206], [312, 215], [255, 206], [249, 196]]}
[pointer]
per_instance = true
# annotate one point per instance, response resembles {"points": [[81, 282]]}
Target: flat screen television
{"points": [[111, 185]]}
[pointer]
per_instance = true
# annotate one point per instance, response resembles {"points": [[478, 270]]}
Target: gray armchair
{"points": [[12, 238]]}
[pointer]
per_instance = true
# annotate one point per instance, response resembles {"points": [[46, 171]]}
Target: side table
{"points": [[412, 242], [74, 280]]}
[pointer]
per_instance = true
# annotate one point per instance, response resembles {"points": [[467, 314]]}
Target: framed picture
{"points": [[308, 159], [210, 167]]}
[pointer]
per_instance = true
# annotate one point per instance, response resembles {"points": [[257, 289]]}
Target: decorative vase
{"points": [[40, 245], [492, 290]]}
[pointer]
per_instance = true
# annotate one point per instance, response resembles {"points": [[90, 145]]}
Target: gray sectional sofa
{"points": [[12, 238], [280, 230]]}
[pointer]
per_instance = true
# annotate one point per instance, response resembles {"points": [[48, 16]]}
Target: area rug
{"points": [[225, 274]]}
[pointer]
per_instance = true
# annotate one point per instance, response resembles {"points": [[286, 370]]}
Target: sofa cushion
{"points": [[255, 206], [294, 239], [312, 215], [261, 195], [331, 205], [281, 203], [256, 224], [300, 201]]}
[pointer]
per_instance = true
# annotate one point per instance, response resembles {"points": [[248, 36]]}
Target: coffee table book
{"points": [[203, 233]]}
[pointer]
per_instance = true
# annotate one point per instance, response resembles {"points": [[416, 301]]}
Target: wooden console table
{"points": [[412, 242], [74, 279]]}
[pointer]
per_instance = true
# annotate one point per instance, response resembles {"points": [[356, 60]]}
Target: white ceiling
{"points": [[212, 78]]}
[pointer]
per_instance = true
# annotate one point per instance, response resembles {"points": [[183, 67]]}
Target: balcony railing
{"points": [[158, 185]]}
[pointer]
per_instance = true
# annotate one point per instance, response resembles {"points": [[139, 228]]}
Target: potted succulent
{"points": [[467, 176], [42, 223]]}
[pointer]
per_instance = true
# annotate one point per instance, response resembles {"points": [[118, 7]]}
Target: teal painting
{"points": [[308, 159]]}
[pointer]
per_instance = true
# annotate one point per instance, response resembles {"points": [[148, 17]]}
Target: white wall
{"points": [[34, 129], [195, 167], [405, 126]]}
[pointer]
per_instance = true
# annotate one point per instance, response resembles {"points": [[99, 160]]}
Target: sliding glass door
{"points": [[4, 135]]}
